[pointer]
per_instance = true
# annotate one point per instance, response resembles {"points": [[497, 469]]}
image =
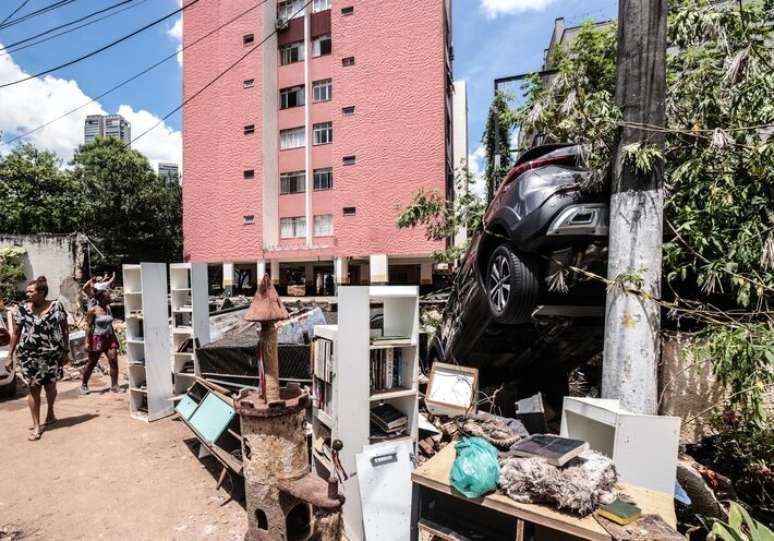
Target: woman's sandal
{"points": [[34, 436]]}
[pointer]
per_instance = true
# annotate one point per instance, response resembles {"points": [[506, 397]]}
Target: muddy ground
{"points": [[99, 474]]}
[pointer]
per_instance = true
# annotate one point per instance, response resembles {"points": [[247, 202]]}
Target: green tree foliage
{"points": [[497, 140], [110, 193], [11, 270], [36, 196], [128, 211], [443, 219]]}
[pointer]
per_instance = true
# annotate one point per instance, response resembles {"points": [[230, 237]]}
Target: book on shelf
{"points": [[390, 340], [376, 434], [555, 450], [386, 369], [323, 360], [388, 418]]}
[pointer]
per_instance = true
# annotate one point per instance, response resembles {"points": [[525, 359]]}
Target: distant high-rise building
{"points": [[169, 171], [114, 126]]}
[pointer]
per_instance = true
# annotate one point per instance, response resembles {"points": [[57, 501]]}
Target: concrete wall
{"points": [[62, 259]]}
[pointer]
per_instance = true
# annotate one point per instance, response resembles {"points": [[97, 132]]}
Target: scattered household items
{"points": [[384, 479], [475, 471], [440, 509], [578, 487], [344, 397], [501, 432], [452, 390], [555, 450], [644, 448], [148, 345], [531, 413], [620, 512]]}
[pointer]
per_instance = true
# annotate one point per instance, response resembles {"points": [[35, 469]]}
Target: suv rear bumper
{"points": [[582, 220]]}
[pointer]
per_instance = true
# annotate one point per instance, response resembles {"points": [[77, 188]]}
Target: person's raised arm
{"points": [[112, 279], [88, 287]]}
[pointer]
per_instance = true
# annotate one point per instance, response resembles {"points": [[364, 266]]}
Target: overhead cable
{"points": [[51, 7]]}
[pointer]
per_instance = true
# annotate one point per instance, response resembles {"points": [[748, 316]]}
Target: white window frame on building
{"points": [[323, 133], [348, 111], [323, 225], [322, 45], [290, 9], [293, 227], [248, 219], [290, 53], [292, 182], [292, 138], [293, 96], [321, 5], [248, 174], [323, 179], [322, 90]]}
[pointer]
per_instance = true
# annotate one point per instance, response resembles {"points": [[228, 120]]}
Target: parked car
{"points": [[502, 311]]}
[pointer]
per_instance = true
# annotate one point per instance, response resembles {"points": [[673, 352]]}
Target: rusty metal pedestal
{"points": [[284, 500]]}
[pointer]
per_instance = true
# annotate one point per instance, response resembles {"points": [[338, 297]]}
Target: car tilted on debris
{"points": [[514, 295]]}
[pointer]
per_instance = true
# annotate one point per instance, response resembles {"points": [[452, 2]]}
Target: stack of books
{"points": [[388, 419], [386, 369]]}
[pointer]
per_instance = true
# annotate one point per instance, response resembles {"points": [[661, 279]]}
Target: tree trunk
{"points": [[632, 323]]}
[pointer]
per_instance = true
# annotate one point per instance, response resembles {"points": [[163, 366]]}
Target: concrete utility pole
{"points": [[632, 323]]}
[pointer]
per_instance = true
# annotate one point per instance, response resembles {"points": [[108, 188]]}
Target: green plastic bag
{"points": [[475, 470]]}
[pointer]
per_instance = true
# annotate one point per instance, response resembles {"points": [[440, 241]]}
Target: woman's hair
{"points": [[40, 283]]}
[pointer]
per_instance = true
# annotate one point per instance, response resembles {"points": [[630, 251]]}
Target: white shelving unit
{"points": [[346, 414], [190, 320], [147, 340]]}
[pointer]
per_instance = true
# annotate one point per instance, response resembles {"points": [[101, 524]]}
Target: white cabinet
{"points": [[189, 304], [147, 340], [643, 447], [355, 372]]}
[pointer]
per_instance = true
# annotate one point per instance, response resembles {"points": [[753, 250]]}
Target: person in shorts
{"points": [[101, 338]]}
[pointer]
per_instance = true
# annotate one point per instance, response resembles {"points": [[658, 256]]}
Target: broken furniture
{"points": [[351, 376], [643, 447], [437, 509], [190, 311], [211, 416], [147, 340]]}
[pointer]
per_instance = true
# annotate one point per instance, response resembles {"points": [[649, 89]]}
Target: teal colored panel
{"points": [[212, 417], [186, 407]]}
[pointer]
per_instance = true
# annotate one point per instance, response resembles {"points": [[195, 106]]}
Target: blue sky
{"points": [[492, 38]]}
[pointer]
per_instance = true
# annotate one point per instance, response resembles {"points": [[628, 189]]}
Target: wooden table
{"points": [[434, 474]]}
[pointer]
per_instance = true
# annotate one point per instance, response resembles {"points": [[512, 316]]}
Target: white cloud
{"points": [[30, 104], [163, 144], [493, 8], [476, 166], [176, 33]]}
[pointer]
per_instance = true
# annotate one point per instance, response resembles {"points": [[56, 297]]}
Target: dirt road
{"points": [[98, 474]]}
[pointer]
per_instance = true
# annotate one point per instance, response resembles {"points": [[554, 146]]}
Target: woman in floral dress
{"points": [[40, 341]]}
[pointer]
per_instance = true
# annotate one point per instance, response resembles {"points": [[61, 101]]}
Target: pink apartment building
{"points": [[299, 160]]}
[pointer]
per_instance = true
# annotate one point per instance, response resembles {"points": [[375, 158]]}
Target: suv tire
{"points": [[512, 285]]}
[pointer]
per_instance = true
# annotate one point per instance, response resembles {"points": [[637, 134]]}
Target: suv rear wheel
{"points": [[512, 285]]}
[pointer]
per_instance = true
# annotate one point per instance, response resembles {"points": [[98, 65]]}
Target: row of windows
{"points": [[295, 96], [295, 227], [296, 52], [296, 137], [295, 181], [290, 9]]}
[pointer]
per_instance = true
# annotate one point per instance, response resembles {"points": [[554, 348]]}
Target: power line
{"points": [[41, 11], [104, 48], [14, 12], [55, 28], [221, 74], [6, 52], [139, 74]]}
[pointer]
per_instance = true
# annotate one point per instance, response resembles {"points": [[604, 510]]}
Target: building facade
{"points": [[299, 159], [169, 172], [114, 126]]}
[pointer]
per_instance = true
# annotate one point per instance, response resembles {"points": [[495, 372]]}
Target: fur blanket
{"points": [[580, 486]]}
